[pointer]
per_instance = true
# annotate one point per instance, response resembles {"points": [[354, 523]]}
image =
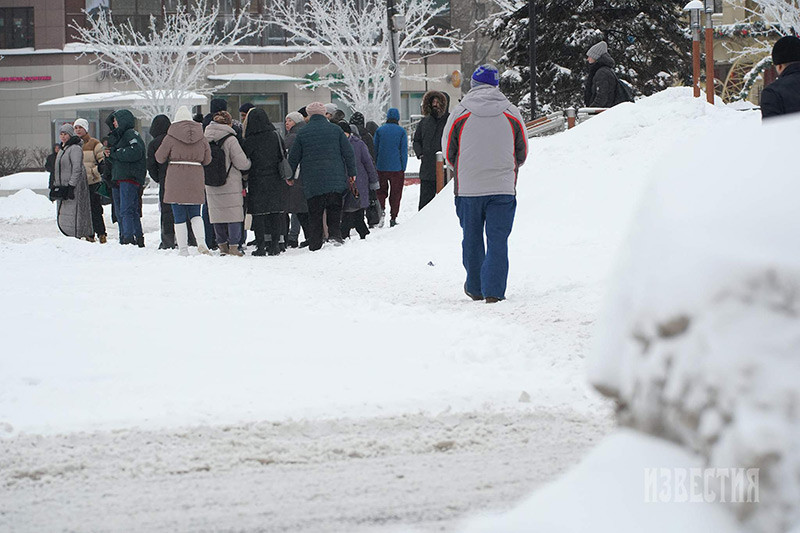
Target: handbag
{"points": [[284, 168], [58, 192]]}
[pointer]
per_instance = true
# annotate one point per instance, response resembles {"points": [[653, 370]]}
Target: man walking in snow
{"points": [[486, 143], [391, 149], [782, 96], [602, 86]]}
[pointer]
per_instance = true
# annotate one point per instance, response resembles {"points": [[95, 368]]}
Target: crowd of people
{"points": [[219, 176]]}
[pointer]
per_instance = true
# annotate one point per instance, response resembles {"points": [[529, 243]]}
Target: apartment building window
{"points": [[16, 27]]}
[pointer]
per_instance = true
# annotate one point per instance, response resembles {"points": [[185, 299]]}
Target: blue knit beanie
{"points": [[393, 114], [487, 75]]}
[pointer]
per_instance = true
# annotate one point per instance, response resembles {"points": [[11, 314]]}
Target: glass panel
{"points": [[149, 7], [123, 7]]}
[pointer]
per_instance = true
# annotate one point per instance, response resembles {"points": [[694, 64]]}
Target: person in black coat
{"points": [[601, 84], [782, 96], [267, 192], [428, 141], [357, 119], [158, 173], [50, 163]]}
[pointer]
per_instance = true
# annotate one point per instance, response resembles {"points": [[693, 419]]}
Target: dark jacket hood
{"points": [[257, 122], [372, 127], [159, 126], [427, 101], [125, 119], [606, 61], [186, 131]]}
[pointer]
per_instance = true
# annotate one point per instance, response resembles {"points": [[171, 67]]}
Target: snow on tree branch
{"points": [[175, 55], [355, 42]]}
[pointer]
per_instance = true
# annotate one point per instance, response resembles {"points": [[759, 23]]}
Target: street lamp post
{"points": [[710, 89], [396, 24], [695, 7]]}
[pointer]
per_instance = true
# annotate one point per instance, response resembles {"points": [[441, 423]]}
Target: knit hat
{"points": [[182, 113], [597, 50], [223, 117], [295, 117], [82, 122], [393, 114], [357, 118], [786, 50], [330, 108], [67, 128], [315, 108], [244, 108], [345, 126], [487, 75], [218, 104]]}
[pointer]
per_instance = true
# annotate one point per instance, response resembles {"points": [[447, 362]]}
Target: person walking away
{"points": [[486, 144], [357, 119], [226, 201], [356, 199], [70, 188], [267, 191], [158, 173], [602, 86], [187, 152], [326, 161], [298, 207], [128, 156], [428, 141], [391, 147], [50, 163], [93, 156], [782, 97]]}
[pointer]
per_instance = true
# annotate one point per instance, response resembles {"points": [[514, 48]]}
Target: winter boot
{"points": [[182, 238], [140, 241], [103, 238], [273, 247], [475, 297], [233, 250], [200, 234], [223, 248]]}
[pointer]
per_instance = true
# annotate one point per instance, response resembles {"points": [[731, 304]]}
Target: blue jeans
{"points": [[183, 213], [487, 271], [228, 233], [126, 204]]}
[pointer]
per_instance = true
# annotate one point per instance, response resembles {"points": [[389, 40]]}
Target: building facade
{"points": [[42, 63]]}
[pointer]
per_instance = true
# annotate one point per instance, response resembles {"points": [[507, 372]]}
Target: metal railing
{"points": [[561, 120]]}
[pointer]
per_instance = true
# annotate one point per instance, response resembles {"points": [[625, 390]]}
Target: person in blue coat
{"points": [[391, 149], [326, 162]]}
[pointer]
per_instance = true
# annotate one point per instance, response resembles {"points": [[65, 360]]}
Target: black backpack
{"points": [[624, 93], [216, 174]]}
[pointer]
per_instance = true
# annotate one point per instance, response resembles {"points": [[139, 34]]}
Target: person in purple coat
{"points": [[366, 179]]}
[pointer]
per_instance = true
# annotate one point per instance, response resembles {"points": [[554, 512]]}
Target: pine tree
{"points": [[650, 42]]}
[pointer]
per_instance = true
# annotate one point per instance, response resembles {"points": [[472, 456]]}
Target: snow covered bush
{"points": [[702, 334]]}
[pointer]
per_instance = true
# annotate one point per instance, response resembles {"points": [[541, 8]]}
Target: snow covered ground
{"points": [[355, 388]]}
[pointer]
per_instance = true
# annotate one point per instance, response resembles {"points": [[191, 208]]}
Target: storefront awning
{"points": [[110, 101], [256, 76]]}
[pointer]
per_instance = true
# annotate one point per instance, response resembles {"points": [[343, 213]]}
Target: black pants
{"points": [[97, 210], [332, 202], [167, 221], [271, 224], [354, 219], [427, 192]]}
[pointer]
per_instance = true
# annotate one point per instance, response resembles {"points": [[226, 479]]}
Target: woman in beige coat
{"points": [[226, 202], [187, 151]]}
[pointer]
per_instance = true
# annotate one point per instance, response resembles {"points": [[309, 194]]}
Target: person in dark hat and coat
{"points": [[782, 96], [601, 84], [428, 141]]}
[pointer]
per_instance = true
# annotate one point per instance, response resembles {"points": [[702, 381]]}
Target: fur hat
{"points": [[786, 50], [67, 128], [295, 117], [485, 75], [315, 108], [83, 123], [597, 50], [223, 117], [182, 113]]}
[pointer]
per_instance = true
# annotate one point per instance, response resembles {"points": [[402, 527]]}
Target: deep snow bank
{"points": [[701, 339], [26, 205]]}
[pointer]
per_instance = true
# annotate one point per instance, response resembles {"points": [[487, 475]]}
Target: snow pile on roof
{"points": [[700, 340], [24, 180], [26, 205]]}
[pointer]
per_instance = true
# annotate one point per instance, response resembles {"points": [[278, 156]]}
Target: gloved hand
{"points": [[70, 193]]}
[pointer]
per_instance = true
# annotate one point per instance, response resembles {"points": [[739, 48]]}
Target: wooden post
{"points": [[571, 117], [710, 92], [439, 172]]}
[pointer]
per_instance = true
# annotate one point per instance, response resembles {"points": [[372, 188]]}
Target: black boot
{"points": [[274, 246]]}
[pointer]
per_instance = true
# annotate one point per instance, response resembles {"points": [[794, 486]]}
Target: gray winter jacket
{"points": [[74, 216], [485, 141], [226, 203]]}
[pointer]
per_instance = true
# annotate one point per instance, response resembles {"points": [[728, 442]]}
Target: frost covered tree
{"points": [[770, 20], [173, 57], [352, 36], [648, 40]]}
